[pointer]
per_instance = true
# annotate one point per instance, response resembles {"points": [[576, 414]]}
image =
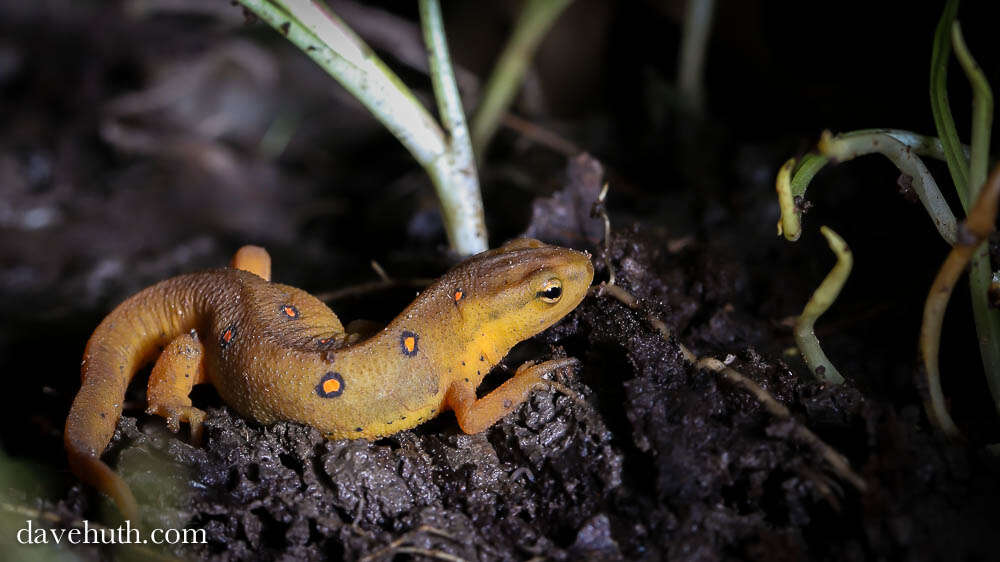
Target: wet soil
{"points": [[108, 188]]}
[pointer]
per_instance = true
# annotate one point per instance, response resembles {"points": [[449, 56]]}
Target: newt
{"points": [[274, 352]]}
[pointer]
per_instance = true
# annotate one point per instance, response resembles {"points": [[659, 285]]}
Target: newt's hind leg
{"points": [[475, 415], [179, 368], [254, 259]]}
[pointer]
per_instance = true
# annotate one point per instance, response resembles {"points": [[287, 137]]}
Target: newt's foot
{"points": [[175, 414]]}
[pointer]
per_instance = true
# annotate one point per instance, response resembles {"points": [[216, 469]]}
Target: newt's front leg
{"points": [[179, 368], [475, 415]]}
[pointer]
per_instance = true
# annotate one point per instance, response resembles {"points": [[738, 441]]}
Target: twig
{"points": [[837, 461], [540, 135], [822, 298], [600, 210], [372, 286], [977, 226], [396, 545]]}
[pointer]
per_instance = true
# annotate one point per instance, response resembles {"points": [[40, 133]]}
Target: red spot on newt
{"points": [[458, 295], [290, 311], [227, 336]]}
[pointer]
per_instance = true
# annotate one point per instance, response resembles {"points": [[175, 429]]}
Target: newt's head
{"points": [[519, 289]]}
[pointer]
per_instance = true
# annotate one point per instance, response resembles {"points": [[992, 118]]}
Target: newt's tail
{"points": [[127, 339]]}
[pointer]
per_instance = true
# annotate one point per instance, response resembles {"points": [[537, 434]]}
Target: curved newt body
{"points": [[275, 352]]}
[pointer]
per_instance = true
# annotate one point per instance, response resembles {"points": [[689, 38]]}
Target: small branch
{"points": [[537, 17], [846, 147], [822, 298], [976, 228], [837, 461], [694, 43], [372, 286]]}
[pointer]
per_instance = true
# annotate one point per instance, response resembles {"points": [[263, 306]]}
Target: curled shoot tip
{"points": [[822, 298], [977, 226], [848, 146], [793, 179], [788, 224]]}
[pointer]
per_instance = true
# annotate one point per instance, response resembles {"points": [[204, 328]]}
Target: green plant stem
{"points": [[793, 181], [976, 228], [457, 181], [691, 60], [923, 145], [981, 272], [822, 298], [537, 17], [341, 53], [982, 111], [846, 147], [943, 121]]}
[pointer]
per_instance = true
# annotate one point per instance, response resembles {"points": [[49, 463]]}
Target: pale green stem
{"points": [[822, 298], [340, 52], [458, 182], [799, 174], [537, 17], [980, 271], [694, 42], [943, 121], [982, 112], [923, 145], [847, 147]]}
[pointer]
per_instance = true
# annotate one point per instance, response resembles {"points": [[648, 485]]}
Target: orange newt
{"points": [[274, 352]]}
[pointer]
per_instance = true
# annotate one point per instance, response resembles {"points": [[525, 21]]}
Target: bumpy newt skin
{"points": [[274, 352]]}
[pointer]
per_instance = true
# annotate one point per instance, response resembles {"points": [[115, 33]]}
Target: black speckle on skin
{"points": [[102, 415], [463, 363], [388, 422], [402, 417], [482, 357], [358, 429], [466, 379]]}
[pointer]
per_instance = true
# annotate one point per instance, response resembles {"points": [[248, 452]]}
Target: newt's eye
{"points": [[551, 291]]}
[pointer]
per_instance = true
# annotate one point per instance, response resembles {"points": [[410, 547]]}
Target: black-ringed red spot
{"points": [[331, 385], [408, 342], [459, 295], [289, 311], [227, 336]]}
